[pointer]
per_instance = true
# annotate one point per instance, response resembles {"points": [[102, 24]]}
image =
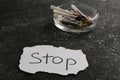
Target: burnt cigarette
{"points": [[64, 14], [78, 11], [59, 9]]}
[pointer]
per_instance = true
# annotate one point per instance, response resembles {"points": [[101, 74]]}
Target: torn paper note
{"points": [[45, 58]]}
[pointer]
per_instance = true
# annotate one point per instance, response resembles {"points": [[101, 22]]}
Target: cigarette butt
{"points": [[59, 9], [64, 14], [78, 11]]}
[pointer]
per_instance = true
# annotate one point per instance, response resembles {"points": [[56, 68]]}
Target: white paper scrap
{"points": [[58, 60]]}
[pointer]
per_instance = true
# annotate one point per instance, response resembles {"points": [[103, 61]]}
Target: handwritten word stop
{"points": [[51, 59]]}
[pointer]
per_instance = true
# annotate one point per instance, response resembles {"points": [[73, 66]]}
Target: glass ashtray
{"points": [[87, 10]]}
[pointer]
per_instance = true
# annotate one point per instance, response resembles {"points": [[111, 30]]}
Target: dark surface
{"points": [[26, 23]]}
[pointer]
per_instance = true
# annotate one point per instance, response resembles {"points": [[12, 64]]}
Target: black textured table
{"points": [[25, 23]]}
